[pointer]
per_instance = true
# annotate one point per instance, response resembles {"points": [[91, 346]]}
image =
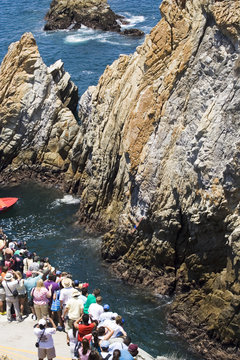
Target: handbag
{"points": [[14, 292], [37, 343]]}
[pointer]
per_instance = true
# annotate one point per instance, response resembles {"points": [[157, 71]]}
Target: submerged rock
{"points": [[155, 159]]}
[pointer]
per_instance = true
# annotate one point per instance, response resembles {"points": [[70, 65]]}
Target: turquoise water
{"points": [[45, 219]]}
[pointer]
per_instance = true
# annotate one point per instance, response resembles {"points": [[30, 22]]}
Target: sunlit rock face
{"points": [[154, 157]]}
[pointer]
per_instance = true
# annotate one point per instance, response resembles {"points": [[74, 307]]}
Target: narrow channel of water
{"points": [[45, 219]]}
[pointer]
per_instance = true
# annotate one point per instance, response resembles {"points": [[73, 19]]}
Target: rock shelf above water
{"points": [[95, 14]]}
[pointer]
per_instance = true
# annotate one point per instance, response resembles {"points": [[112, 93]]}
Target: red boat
{"points": [[6, 203]]}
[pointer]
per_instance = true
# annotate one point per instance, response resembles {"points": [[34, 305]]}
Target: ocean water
{"points": [[85, 52], [45, 218]]}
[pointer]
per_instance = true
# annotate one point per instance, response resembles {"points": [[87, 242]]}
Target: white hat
{"points": [[66, 282], [75, 293], [42, 322], [8, 276]]}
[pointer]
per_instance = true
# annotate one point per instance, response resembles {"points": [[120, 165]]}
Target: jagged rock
{"points": [[155, 159], [37, 129], [96, 14]]}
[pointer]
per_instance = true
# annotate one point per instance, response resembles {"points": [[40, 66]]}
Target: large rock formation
{"points": [[37, 103], [155, 159], [96, 14]]}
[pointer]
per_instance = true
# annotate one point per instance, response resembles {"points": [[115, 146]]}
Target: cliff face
{"points": [[155, 159]]}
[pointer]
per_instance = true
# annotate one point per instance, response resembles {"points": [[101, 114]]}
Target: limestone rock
{"points": [[96, 14], [37, 128]]}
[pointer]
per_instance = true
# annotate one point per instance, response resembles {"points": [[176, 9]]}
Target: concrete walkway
{"points": [[17, 340]]}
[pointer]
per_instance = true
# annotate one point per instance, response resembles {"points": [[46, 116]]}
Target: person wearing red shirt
{"points": [[85, 328]]}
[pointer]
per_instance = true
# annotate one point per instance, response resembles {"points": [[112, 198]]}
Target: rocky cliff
{"points": [[155, 158]]}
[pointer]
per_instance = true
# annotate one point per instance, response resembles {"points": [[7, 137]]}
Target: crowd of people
{"points": [[31, 286]]}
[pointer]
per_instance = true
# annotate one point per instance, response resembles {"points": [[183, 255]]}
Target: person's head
{"points": [[96, 292], [133, 349], [118, 320], [8, 276], [42, 324], [28, 274], [76, 283], [94, 355], [116, 354], [40, 283], [127, 340], [4, 269], [106, 307], [19, 274], [66, 282], [85, 345], [99, 299], [95, 338], [104, 345], [36, 258], [101, 331], [84, 291], [51, 277], [85, 319], [29, 255]]}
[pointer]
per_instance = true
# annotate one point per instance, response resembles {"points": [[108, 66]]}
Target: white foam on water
{"points": [[87, 72], [132, 20], [67, 199]]}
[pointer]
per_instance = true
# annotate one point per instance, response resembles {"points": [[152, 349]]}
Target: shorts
{"points": [[50, 353]]}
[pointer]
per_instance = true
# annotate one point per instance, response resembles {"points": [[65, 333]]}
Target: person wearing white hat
{"points": [[74, 309], [65, 292], [10, 286], [45, 340]]}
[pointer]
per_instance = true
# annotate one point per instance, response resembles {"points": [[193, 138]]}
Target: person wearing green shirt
{"points": [[90, 300]]}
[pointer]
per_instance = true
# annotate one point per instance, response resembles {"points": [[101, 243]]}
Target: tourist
{"points": [[133, 349], [2, 246], [56, 312], [119, 343], [105, 354], [84, 295], [26, 263], [125, 355], [66, 292], [73, 308], [107, 314], [72, 339], [10, 287], [94, 355], [91, 299], [96, 309], [95, 341], [116, 354], [116, 325], [34, 266], [22, 292], [85, 328], [41, 298], [45, 341], [51, 280], [104, 333], [2, 299], [84, 350]]}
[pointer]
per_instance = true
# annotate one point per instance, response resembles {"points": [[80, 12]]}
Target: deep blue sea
{"points": [[45, 218], [85, 52]]}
